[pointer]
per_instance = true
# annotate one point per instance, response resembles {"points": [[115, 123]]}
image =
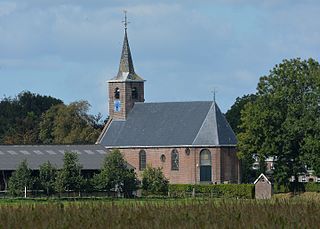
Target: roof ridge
{"points": [[174, 102], [215, 115], [225, 121]]}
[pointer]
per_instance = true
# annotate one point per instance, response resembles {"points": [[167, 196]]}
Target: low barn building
{"points": [[191, 141], [90, 157]]}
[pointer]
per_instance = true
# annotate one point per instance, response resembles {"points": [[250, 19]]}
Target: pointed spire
{"points": [[126, 63], [126, 70]]}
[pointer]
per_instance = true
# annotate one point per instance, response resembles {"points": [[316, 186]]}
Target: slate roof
{"points": [[170, 124], [126, 70], [90, 156]]}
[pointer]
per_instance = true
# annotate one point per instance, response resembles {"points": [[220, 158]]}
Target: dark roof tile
{"points": [[170, 124]]}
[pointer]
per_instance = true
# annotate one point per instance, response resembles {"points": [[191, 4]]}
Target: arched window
{"points": [[174, 160], [142, 160], [134, 93], [205, 166], [205, 157], [117, 93]]}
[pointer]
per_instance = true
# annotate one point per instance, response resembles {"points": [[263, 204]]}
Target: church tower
{"points": [[126, 87]]}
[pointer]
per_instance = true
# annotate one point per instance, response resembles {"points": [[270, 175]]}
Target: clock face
{"points": [[117, 105]]}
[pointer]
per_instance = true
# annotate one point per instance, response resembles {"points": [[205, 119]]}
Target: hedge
{"points": [[298, 187], [243, 191], [312, 187]]}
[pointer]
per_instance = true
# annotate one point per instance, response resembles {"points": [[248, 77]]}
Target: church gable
{"points": [[215, 130], [208, 133]]}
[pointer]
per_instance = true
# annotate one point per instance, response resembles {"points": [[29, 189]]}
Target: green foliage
{"points": [[20, 117], [69, 124], [115, 176], [233, 115], [284, 121], [312, 187], [243, 191], [20, 179], [34, 119], [47, 177], [154, 182], [69, 178]]}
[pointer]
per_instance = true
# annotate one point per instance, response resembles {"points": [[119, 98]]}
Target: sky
{"points": [[183, 49]]}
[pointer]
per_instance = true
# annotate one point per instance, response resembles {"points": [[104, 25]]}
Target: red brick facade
{"points": [[224, 163], [126, 97]]}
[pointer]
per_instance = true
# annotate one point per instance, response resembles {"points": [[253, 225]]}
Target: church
{"points": [[191, 141]]}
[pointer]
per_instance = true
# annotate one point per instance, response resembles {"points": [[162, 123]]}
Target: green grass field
{"points": [[281, 212]]}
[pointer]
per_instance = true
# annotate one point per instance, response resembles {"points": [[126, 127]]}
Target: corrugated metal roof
{"points": [[170, 124], [90, 156]]}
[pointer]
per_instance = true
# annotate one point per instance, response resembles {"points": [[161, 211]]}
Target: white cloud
{"points": [[183, 47]]}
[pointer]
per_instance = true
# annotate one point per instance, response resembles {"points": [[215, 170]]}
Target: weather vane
{"points": [[125, 21]]}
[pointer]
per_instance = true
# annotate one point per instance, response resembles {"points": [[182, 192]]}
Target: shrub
{"points": [[115, 175], [69, 178], [20, 179], [154, 182]]}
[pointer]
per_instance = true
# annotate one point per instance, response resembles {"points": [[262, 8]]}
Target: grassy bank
{"points": [[161, 213]]}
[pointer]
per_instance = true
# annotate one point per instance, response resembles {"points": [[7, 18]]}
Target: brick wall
{"points": [[126, 99], [225, 165]]}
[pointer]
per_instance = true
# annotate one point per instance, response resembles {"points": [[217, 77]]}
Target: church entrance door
{"points": [[205, 166]]}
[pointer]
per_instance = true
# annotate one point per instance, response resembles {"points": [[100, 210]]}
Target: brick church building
{"points": [[191, 141]]}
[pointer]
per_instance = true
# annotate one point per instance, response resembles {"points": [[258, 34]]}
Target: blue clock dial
{"points": [[117, 105]]}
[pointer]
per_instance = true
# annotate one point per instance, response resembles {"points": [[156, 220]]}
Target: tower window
{"points": [[134, 93], [174, 160], [117, 93], [142, 160]]}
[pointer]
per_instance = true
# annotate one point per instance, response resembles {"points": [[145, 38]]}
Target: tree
{"points": [[283, 122], [47, 177], [154, 182], [70, 124], [20, 117], [233, 115], [69, 178], [115, 175], [20, 179]]}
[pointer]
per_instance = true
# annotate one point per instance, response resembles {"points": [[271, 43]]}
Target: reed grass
{"points": [[217, 213]]}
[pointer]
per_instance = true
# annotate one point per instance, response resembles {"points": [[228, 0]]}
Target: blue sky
{"points": [[184, 49]]}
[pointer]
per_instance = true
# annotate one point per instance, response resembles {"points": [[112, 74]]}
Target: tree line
{"points": [[35, 119], [281, 120], [113, 177]]}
